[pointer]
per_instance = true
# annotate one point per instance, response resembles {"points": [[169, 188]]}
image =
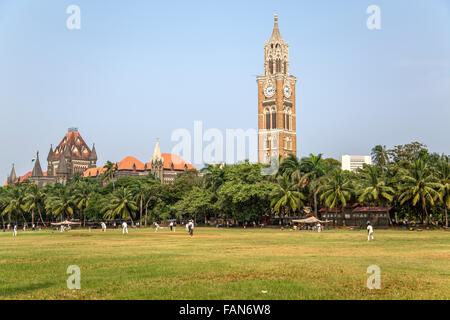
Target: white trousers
{"points": [[15, 233], [125, 230], [369, 236]]}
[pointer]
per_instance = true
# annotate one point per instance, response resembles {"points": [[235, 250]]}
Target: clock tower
{"points": [[276, 102]]}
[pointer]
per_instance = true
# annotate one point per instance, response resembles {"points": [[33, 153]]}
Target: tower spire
{"points": [[276, 36], [157, 152], [37, 170]]}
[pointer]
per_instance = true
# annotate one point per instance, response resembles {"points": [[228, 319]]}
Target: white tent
{"points": [[310, 220]]}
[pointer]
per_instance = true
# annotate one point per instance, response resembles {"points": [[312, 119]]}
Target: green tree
{"points": [[60, 203], [336, 190], [314, 170], [15, 203], [285, 197], [82, 192], [110, 172], [419, 185], [34, 199], [121, 203], [443, 175], [373, 188], [380, 156]]}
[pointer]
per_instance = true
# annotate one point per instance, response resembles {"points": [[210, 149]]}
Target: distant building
{"points": [[71, 156], [163, 166], [352, 163]]}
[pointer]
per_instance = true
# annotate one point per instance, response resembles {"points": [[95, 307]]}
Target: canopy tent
{"points": [[310, 220], [64, 223]]}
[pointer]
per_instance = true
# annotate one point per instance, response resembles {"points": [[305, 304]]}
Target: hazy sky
{"points": [[137, 70]]}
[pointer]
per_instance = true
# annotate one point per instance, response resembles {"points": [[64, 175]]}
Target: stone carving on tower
{"points": [[276, 101]]}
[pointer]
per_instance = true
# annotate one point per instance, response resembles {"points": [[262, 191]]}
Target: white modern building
{"points": [[352, 163]]}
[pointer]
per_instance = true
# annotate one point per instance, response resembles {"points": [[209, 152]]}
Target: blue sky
{"points": [[138, 70]]}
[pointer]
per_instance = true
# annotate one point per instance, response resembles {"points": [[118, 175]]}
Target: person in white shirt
{"points": [[103, 226], [15, 231], [124, 228], [191, 228], [157, 227], [319, 227], [171, 225], [369, 231]]}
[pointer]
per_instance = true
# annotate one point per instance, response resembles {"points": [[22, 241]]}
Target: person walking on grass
{"points": [[124, 228], [15, 230], [191, 228], [103, 226], [171, 225], [369, 231], [319, 227]]}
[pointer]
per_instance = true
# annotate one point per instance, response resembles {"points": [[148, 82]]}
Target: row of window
{"points": [[270, 118]]}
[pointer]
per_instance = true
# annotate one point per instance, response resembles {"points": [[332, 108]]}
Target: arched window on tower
{"points": [[278, 66], [274, 118], [285, 66], [271, 66], [267, 118]]}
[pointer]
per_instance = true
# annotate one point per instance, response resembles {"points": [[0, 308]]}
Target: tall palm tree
{"points": [[82, 192], [374, 188], [139, 194], [336, 190], [15, 203], [291, 166], [443, 174], [60, 203], [285, 196], [380, 156], [120, 203], [34, 198], [110, 173], [314, 169], [419, 185]]}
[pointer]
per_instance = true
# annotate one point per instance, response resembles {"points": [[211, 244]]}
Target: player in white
{"points": [[124, 228], [191, 228], [15, 230], [157, 227], [369, 231], [319, 227], [103, 226]]}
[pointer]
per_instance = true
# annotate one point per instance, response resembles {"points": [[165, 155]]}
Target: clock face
{"points": [[287, 91], [269, 91]]}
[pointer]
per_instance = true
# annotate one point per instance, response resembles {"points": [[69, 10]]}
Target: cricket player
{"points": [[124, 228], [15, 230], [369, 231], [157, 227], [171, 225], [319, 227], [191, 228], [103, 226]]}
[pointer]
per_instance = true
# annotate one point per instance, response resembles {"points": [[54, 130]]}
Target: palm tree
{"points": [[60, 202], [374, 188], [419, 185], [380, 156], [314, 169], [34, 198], [443, 174], [285, 196], [15, 203], [139, 194], [120, 203], [110, 172], [291, 166], [81, 195], [336, 190]]}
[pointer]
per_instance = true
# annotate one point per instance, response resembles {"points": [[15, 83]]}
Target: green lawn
{"points": [[225, 264]]}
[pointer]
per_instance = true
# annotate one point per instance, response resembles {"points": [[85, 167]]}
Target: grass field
{"points": [[225, 264]]}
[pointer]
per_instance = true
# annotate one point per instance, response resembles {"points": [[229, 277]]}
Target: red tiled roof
{"points": [[76, 145], [129, 163], [93, 172], [24, 177]]}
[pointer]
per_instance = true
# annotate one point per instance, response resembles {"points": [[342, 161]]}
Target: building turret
{"points": [[12, 178], [37, 170]]}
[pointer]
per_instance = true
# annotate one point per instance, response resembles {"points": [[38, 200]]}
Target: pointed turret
{"points": [[276, 36], [93, 155], [50, 153], [157, 152], [12, 178], [37, 170]]}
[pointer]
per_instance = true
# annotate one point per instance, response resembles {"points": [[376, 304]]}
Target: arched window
{"points": [[271, 66], [267, 118], [278, 66], [274, 118]]}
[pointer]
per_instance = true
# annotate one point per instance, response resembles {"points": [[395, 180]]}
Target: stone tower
{"points": [[157, 163], [276, 101]]}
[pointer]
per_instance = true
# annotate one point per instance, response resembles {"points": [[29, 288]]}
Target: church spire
{"points": [[37, 170], [50, 153], [93, 155], [276, 53]]}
